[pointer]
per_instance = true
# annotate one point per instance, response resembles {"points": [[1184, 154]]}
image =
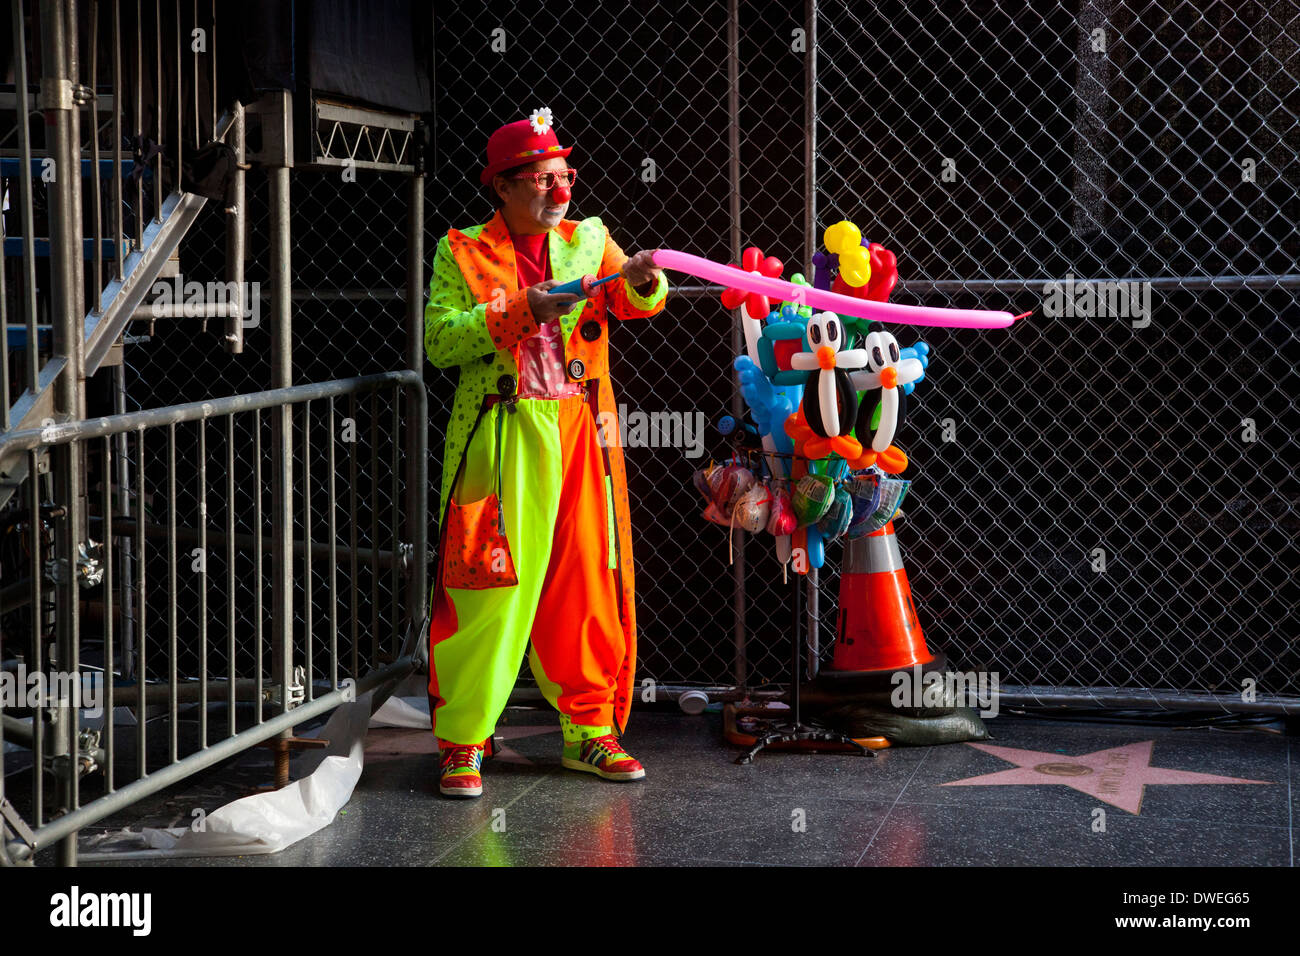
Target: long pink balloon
{"points": [[832, 301]]}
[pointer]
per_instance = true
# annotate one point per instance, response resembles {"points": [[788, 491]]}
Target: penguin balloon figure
{"points": [[888, 371], [830, 401]]}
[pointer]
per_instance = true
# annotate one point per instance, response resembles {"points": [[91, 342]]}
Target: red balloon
{"points": [[752, 260], [884, 273], [731, 298], [757, 306]]}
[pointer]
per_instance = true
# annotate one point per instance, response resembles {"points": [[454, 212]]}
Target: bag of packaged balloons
{"points": [[836, 520], [753, 508], [864, 492], [732, 482], [781, 521], [813, 496], [703, 480], [892, 493], [717, 516]]}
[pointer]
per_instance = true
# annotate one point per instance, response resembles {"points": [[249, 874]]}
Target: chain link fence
{"points": [[349, 275], [1099, 501], [1116, 503]]}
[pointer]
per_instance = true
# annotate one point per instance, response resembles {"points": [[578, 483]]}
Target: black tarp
{"points": [[372, 51]]}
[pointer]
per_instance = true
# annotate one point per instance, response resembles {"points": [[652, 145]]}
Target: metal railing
{"points": [[243, 551], [118, 612]]}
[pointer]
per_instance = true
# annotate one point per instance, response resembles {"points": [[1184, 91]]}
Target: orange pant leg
{"points": [[577, 636]]}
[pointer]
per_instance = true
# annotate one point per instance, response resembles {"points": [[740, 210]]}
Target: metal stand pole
{"points": [[796, 729], [58, 82], [281, 418], [235, 225], [740, 663], [417, 426]]}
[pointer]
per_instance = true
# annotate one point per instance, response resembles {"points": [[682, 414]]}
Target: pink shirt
{"points": [[541, 355], [541, 365]]}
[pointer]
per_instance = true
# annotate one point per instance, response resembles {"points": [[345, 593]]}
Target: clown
{"points": [[536, 548]]}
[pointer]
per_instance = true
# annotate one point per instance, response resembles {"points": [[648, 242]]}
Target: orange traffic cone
{"points": [[878, 629]]}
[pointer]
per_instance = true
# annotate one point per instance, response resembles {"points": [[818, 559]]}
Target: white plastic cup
{"points": [[693, 702]]}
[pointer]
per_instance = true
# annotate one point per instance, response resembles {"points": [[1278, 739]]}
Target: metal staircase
{"points": [[110, 231]]}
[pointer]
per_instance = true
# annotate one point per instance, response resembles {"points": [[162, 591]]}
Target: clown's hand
{"points": [[641, 271], [547, 307]]}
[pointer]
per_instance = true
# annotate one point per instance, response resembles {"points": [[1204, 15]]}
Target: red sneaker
{"points": [[603, 756], [461, 766]]}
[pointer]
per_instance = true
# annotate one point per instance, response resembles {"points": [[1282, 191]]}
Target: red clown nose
{"points": [[561, 194]]}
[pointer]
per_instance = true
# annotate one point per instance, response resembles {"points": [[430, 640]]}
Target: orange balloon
{"points": [[892, 460]]}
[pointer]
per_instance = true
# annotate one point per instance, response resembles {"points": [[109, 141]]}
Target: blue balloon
{"points": [[770, 405], [921, 352], [816, 547]]}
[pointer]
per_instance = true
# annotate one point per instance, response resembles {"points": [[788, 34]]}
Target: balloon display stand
{"points": [[744, 724], [793, 730], [817, 464]]}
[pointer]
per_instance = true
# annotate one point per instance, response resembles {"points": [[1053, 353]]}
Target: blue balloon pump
{"points": [[583, 287]]}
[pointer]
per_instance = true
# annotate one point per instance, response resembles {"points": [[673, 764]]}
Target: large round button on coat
{"points": [[576, 368], [506, 385], [590, 330]]}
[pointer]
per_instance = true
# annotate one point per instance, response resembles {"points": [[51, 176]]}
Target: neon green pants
{"points": [[556, 501]]}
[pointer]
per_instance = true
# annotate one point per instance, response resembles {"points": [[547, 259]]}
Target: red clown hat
{"points": [[522, 142]]}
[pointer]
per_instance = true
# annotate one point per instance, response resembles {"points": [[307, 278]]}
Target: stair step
{"points": [[172, 267], [17, 336], [10, 166]]}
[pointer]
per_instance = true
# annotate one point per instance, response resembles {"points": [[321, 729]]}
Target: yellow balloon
{"points": [[855, 266], [831, 236], [842, 236]]}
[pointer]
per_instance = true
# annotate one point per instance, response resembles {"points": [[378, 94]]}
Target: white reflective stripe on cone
{"points": [[873, 554]]}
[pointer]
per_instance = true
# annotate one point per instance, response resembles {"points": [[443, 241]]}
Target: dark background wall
{"points": [[1072, 434]]}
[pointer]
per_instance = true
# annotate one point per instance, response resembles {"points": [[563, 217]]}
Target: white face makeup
{"points": [[544, 212], [526, 208]]}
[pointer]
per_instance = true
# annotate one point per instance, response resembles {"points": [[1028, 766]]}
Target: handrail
{"points": [[105, 806], [28, 438]]}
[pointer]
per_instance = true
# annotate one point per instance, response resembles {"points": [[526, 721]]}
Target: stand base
{"points": [[773, 729], [793, 733]]}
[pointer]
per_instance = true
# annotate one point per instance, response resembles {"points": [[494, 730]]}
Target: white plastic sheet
{"points": [[407, 706], [265, 822], [403, 712]]}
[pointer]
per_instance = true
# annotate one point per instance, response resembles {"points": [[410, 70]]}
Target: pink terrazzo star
{"points": [[1116, 776]]}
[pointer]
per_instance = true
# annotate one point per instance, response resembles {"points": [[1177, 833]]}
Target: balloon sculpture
{"points": [[827, 394]]}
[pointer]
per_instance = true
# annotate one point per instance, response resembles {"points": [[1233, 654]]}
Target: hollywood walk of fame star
{"points": [[1117, 775]]}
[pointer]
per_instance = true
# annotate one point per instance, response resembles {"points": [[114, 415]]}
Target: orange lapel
{"points": [[487, 261]]}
